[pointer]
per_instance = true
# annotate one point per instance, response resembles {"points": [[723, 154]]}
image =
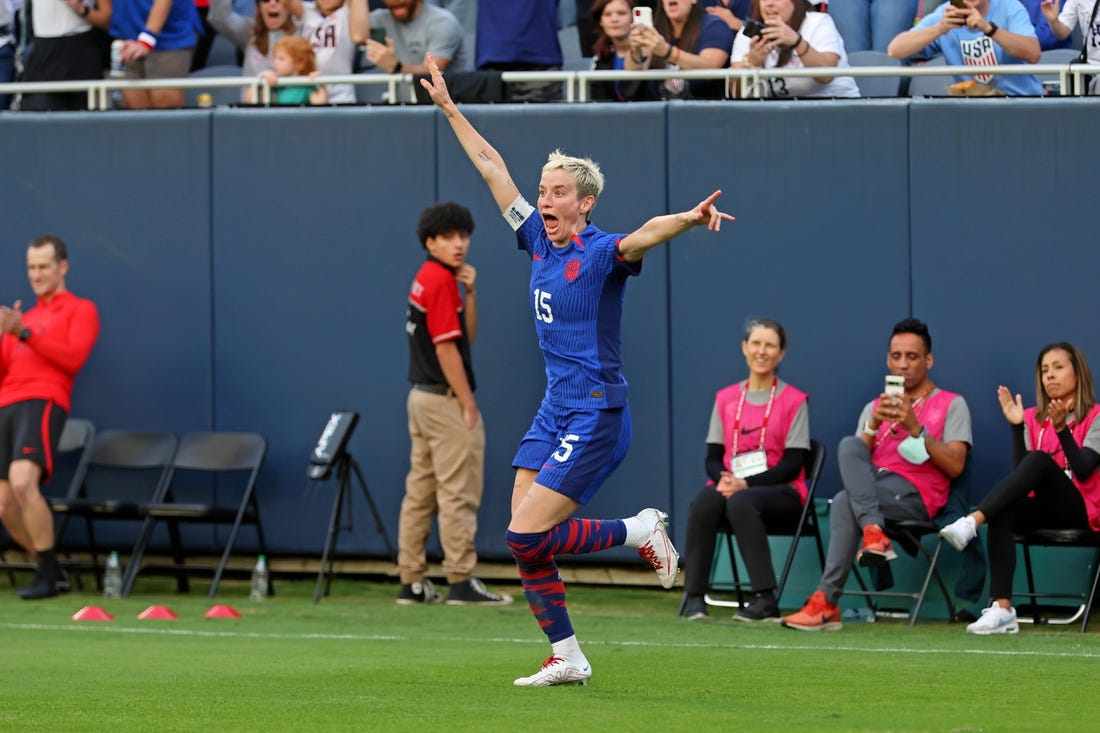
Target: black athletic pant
{"points": [[744, 513], [1057, 504]]}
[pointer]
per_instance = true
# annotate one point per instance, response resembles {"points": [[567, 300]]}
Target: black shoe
{"points": [[45, 585], [416, 593], [761, 607], [695, 608], [473, 592]]}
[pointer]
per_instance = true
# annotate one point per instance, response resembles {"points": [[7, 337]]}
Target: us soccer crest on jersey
{"points": [[979, 52]]}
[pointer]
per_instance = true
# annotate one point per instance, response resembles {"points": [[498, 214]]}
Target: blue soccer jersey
{"points": [[576, 296]]}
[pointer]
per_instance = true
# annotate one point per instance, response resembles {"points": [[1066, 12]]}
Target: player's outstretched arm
{"points": [[484, 157], [660, 229]]}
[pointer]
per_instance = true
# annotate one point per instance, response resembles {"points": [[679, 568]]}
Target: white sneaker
{"points": [[995, 620], [657, 549], [960, 532], [556, 671]]}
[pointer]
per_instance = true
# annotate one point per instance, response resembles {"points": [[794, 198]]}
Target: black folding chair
{"points": [[216, 457], [70, 464], [124, 468], [909, 535], [806, 526], [1059, 538]]}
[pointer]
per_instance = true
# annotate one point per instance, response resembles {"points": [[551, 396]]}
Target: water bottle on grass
{"points": [[112, 577], [259, 580]]}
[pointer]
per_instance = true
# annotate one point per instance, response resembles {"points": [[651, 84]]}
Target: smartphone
{"points": [[378, 34], [960, 4], [895, 385], [643, 16]]}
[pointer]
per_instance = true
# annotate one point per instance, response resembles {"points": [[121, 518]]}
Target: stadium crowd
{"points": [[73, 40]]}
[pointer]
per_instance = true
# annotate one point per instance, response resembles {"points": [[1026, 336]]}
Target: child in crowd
{"points": [[294, 57]]}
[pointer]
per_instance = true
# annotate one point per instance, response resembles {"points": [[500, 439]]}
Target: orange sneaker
{"points": [[817, 615], [876, 548]]}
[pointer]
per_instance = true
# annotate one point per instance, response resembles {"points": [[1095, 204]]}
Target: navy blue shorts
{"points": [[574, 451]]}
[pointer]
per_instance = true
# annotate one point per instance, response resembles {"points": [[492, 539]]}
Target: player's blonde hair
{"points": [[585, 171]]}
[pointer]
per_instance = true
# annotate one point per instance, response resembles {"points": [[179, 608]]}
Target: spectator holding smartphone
{"points": [[789, 34], [977, 33], [411, 29], [899, 465], [682, 37], [614, 19]]}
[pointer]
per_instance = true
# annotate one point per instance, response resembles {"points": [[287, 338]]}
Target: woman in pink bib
{"points": [[757, 445], [1055, 484]]}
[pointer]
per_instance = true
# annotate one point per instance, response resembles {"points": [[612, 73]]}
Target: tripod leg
{"points": [[345, 493], [373, 508], [330, 540]]}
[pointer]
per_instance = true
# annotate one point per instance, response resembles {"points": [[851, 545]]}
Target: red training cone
{"points": [[92, 613], [163, 613], [222, 612]]}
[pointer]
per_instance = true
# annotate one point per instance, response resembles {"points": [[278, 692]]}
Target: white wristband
{"points": [[868, 430]]}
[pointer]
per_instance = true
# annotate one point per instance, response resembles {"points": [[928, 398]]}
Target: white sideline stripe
{"points": [[504, 640]]}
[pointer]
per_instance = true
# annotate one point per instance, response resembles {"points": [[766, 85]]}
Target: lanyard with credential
{"points": [[919, 402], [763, 424], [1039, 443]]}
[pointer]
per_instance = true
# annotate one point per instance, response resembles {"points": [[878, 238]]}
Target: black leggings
{"points": [[1057, 504], [747, 513]]}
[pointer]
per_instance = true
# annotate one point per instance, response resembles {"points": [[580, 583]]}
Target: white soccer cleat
{"points": [[556, 671], [995, 620], [658, 549], [960, 532]]}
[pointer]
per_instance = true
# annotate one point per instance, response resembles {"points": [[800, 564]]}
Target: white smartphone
{"points": [[895, 385], [643, 16]]}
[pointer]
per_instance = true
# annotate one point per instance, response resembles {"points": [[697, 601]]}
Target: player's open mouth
{"points": [[550, 222]]}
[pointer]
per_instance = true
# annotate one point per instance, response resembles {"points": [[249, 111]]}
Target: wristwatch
{"points": [[24, 334], [923, 433], [993, 27]]}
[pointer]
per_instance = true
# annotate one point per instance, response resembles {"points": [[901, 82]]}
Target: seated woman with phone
{"points": [[1055, 483], [680, 35], [757, 445], [788, 33], [614, 19]]}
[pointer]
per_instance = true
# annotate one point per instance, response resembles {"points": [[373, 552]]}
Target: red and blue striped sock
{"points": [[542, 585]]}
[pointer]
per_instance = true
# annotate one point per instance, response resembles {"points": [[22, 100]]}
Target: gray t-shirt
{"points": [[797, 437], [433, 30], [956, 425]]}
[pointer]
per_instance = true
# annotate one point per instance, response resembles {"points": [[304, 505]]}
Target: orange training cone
{"points": [[158, 612], [92, 613], [222, 612]]}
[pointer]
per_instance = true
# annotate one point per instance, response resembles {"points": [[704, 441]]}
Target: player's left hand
{"points": [[707, 213]]}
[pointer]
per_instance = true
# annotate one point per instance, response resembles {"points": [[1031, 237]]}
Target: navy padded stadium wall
{"points": [[251, 270]]}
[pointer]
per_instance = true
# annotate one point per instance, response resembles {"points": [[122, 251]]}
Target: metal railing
{"points": [[576, 83]]}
